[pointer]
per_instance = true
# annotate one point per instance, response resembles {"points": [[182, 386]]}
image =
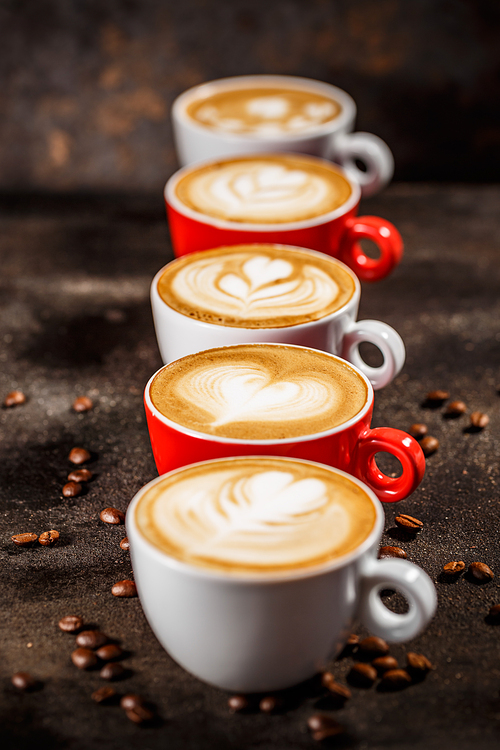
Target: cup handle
{"points": [[412, 582], [383, 234], [373, 152], [386, 339], [404, 448]]}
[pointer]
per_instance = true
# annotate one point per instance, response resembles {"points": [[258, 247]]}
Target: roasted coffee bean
{"points": [[269, 704], [352, 640], [455, 409], [418, 430], [139, 715], [454, 568], [481, 571], [339, 692], [103, 694], [125, 544], [91, 639], [82, 403], [323, 726], [124, 588], [14, 398], [362, 675], [237, 703], [408, 523], [72, 489], [79, 456], [417, 663], [478, 420], [429, 445], [80, 475], [71, 623], [112, 515], [437, 396], [112, 671], [395, 679], [391, 552], [48, 538], [23, 681], [83, 658], [495, 611], [372, 647], [109, 651], [384, 663], [23, 540], [131, 701]]}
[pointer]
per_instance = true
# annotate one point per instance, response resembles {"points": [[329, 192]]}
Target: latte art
{"points": [[255, 514], [256, 286]]}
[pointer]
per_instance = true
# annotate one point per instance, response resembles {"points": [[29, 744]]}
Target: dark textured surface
{"points": [[75, 320]]}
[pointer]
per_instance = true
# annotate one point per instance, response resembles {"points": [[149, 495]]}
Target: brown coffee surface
{"points": [[256, 286], [259, 392], [255, 515]]}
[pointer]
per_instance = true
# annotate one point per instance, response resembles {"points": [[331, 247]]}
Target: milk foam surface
{"points": [[259, 392], [255, 515], [255, 286], [269, 189]]}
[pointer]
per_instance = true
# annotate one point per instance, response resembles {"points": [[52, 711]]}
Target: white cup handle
{"points": [[386, 339], [373, 152], [409, 580]]}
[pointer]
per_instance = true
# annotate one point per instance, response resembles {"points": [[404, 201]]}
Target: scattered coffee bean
{"points": [[80, 475], [72, 489], [372, 647], [481, 571], [408, 523], [455, 409], [125, 544], [91, 639], [131, 701], [237, 703], [323, 726], [495, 611], [429, 445], [14, 398], [478, 420], [417, 663], [454, 568], [391, 552], [48, 538], [112, 671], [437, 396], [269, 704], [109, 651], [70, 623], [418, 430], [103, 694], [83, 658], [23, 681], [384, 663], [395, 679], [82, 403], [339, 692], [139, 715], [112, 515], [79, 456], [362, 675], [124, 588], [23, 540], [352, 640]]}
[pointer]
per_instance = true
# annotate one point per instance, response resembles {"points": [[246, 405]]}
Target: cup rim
{"points": [[254, 578], [353, 299], [174, 202], [347, 103], [278, 441]]}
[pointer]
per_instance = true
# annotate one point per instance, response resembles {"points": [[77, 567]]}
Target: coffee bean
{"points": [[384, 663], [391, 552], [481, 571], [83, 658], [112, 671], [437, 396], [323, 726], [429, 445], [125, 544], [91, 639], [454, 568], [23, 681], [71, 623], [418, 430], [237, 703], [79, 456], [417, 663], [339, 692], [408, 523], [478, 420], [495, 611], [112, 515], [80, 475], [131, 701], [82, 403], [139, 715], [103, 694], [362, 675], [455, 409], [269, 704], [48, 538], [109, 652], [23, 540], [14, 398], [124, 588], [372, 647], [72, 489], [395, 679], [352, 640]]}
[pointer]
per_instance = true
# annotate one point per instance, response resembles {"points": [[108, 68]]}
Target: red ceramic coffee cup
{"points": [[351, 447], [336, 233]]}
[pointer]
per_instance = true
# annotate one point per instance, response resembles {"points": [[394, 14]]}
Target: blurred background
{"points": [[86, 86]]}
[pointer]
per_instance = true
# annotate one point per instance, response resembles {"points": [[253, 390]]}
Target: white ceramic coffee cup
{"points": [[249, 633], [338, 333], [333, 140]]}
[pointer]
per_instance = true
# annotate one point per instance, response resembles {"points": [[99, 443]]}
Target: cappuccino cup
{"points": [[252, 570], [267, 293], [267, 113], [279, 400], [289, 199]]}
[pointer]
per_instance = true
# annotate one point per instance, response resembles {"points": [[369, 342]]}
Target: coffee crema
{"points": [[265, 189], [259, 392], [256, 286], [264, 111], [255, 515]]}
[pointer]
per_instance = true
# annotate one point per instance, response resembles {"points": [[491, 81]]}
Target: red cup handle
{"points": [[383, 234], [404, 448]]}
